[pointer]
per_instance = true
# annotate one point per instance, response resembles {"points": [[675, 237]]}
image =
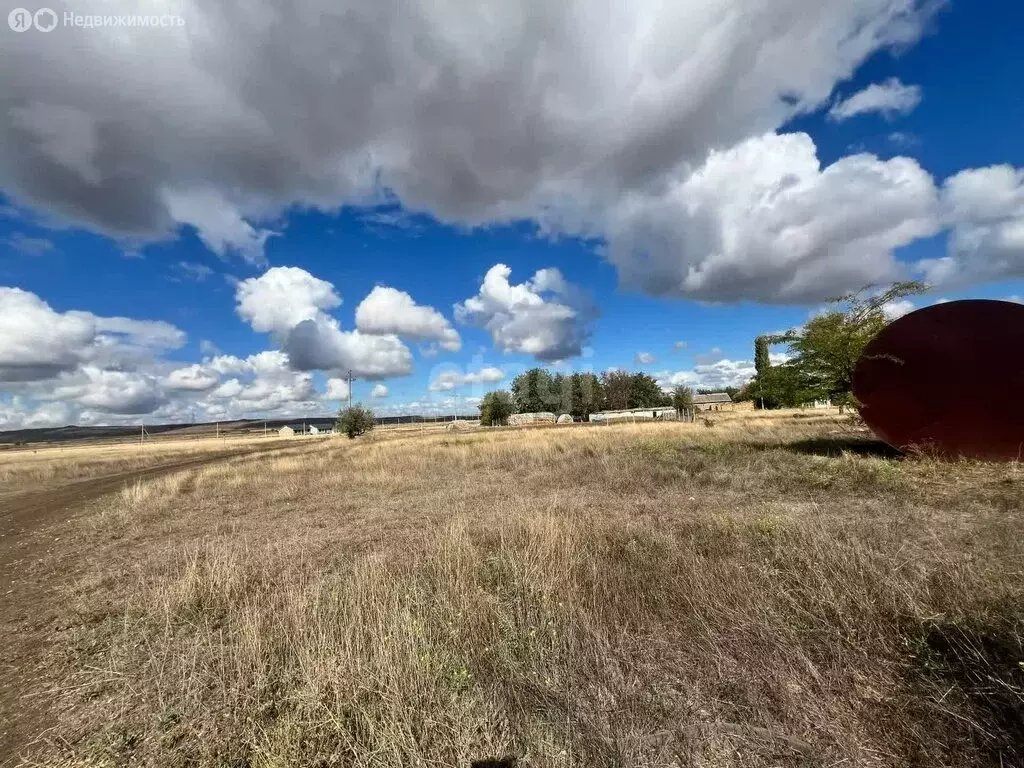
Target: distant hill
{"points": [[73, 433], [76, 433]]}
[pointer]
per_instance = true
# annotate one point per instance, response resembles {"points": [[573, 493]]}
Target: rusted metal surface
{"points": [[948, 380]]}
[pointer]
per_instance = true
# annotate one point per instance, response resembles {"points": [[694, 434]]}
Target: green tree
{"points": [[586, 395], [495, 408], [682, 399], [762, 363], [616, 385], [825, 351], [561, 394], [644, 392], [355, 421], [784, 386], [624, 390], [535, 390], [762, 358]]}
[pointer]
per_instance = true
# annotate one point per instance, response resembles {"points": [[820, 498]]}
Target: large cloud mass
{"points": [[39, 343], [113, 392], [569, 113], [78, 362], [36, 342], [764, 219], [630, 123]]}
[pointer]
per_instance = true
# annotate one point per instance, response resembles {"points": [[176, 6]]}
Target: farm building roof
{"points": [[714, 397]]}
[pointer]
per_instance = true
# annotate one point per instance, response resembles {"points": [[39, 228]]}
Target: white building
{"points": [[286, 432], [661, 412]]}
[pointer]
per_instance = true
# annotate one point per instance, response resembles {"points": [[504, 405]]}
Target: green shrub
{"points": [[355, 421]]}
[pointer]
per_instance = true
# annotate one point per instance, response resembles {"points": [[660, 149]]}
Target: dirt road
{"points": [[30, 575]]}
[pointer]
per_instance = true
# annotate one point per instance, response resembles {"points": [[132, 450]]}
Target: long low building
{"points": [[522, 419], [635, 414], [712, 402]]}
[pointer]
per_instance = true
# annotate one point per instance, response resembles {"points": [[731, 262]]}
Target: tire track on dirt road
{"points": [[30, 575]]}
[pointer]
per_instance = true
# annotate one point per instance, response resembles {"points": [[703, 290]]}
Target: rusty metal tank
{"points": [[948, 380]]}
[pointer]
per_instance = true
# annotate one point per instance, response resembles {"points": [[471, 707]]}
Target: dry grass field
{"points": [[758, 592], [42, 464]]}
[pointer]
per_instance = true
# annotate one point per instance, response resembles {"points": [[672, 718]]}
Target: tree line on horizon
{"points": [[822, 357], [581, 394]]}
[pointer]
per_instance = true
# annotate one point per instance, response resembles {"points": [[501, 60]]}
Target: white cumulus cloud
{"points": [[146, 334], [290, 304], [39, 343], [985, 208], [282, 297], [390, 311], [192, 378], [545, 316], [35, 341], [21, 414], [118, 392], [77, 367], [764, 219], [259, 384]]}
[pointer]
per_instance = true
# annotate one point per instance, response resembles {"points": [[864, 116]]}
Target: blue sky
{"points": [[695, 202]]}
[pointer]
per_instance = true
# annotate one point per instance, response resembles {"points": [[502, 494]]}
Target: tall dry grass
{"points": [[646, 595]]}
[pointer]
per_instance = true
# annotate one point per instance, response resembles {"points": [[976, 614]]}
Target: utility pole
{"points": [[218, 429], [142, 434], [350, 390]]}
